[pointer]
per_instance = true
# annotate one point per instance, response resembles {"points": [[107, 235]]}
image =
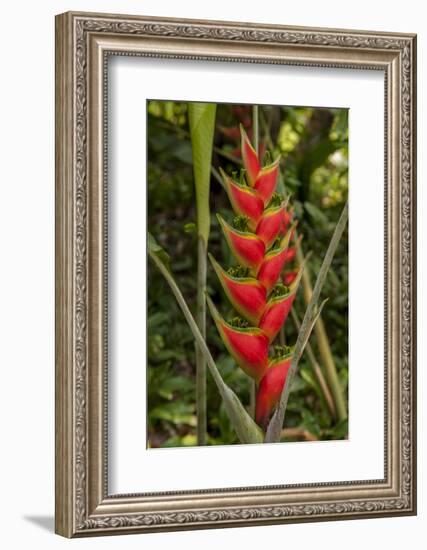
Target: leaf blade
{"points": [[202, 125]]}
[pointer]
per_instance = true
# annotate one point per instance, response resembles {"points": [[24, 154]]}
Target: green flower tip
{"points": [[277, 243], [238, 322], [238, 271], [280, 352], [276, 200], [241, 223], [280, 290]]}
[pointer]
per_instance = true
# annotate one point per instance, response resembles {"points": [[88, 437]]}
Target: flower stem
{"points": [[255, 127]]}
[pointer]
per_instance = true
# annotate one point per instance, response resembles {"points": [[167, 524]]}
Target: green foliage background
{"points": [[313, 143]]}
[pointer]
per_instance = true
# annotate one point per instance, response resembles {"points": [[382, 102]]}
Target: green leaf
{"points": [[202, 125]]}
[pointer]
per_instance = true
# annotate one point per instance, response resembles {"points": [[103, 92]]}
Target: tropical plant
{"points": [[261, 283], [259, 239]]}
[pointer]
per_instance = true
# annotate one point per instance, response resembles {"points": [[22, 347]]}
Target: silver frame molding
{"points": [[83, 43]]}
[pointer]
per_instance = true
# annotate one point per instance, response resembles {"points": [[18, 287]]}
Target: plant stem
{"points": [[266, 129], [311, 315], [316, 368], [324, 347], [255, 126], [200, 360]]}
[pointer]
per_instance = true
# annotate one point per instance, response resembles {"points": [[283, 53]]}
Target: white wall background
{"points": [[27, 273]]}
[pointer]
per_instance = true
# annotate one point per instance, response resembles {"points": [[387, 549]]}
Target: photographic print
{"points": [[243, 204], [235, 274]]}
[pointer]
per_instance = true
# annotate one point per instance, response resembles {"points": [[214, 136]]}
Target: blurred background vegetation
{"points": [[313, 143]]}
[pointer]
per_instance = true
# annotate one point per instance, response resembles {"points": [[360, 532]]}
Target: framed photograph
{"points": [[235, 274]]}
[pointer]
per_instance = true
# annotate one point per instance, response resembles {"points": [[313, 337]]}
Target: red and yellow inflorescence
{"points": [[259, 288]]}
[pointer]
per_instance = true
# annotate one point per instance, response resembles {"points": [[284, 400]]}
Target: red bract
{"points": [[266, 180], [278, 307], [271, 268], [250, 158], [270, 388], [271, 225], [244, 200], [275, 314], [248, 346], [273, 264], [260, 243], [247, 294], [246, 247]]}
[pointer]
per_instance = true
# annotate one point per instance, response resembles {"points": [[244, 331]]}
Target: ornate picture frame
{"points": [[84, 42]]}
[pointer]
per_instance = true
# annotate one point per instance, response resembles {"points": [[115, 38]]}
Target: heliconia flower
{"points": [[271, 267], [250, 158], [259, 239], [237, 151], [271, 225], [247, 346], [276, 313], [247, 295], [248, 248], [270, 388], [244, 200], [289, 277], [266, 181], [273, 263], [278, 306]]}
